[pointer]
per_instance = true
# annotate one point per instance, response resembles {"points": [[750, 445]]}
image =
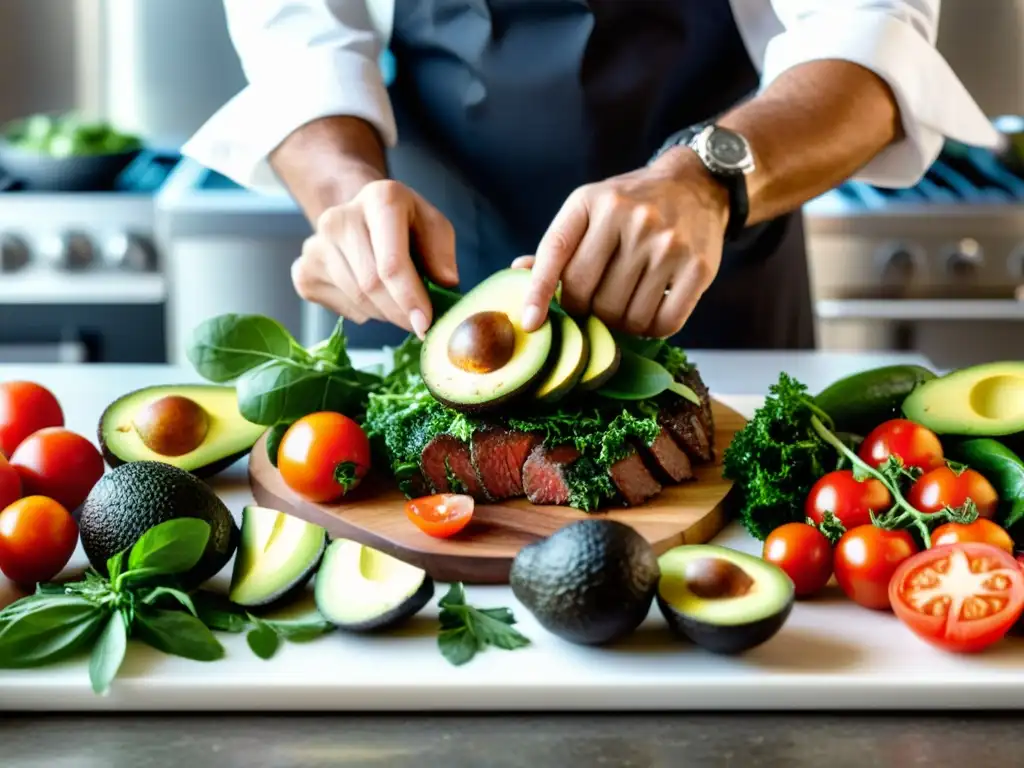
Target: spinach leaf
{"points": [[274, 437], [49, 629], [1005, 470], [639, 378], [224, 347], [334, 350], [263, 641], [108, 654], [172, 547], [639, 345], [177, 633], [219, 613], [441, 299], [279, 391]]}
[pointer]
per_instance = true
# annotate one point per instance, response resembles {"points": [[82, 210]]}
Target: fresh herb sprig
{"points": [[466, 631]]}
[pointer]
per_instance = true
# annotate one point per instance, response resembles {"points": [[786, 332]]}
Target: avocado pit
{"points": [[713, 578], [172, 425], [483, 342]]}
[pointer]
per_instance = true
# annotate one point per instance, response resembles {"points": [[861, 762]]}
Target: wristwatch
{"points": [[728, 158]]}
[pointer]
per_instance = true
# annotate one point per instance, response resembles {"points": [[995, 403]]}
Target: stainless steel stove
{"points": [[937, 269]]}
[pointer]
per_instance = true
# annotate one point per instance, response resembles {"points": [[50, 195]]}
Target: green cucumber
{"points": [[860, 402]]}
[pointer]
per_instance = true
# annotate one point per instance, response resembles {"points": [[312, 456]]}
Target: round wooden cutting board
{"points": [[374, 515]]}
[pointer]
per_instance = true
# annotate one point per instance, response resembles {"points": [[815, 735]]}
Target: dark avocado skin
{"points": [[725, 640], [397, 615], [134, 497], [591, 582]]}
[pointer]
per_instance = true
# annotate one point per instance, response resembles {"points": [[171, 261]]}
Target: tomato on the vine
{"points": [[37, 538], [25, 407], [803, 552], [851, 501], [944, 487], [960, 597], [917, 446], [323, 456], [442, 515], [866, 558], [981, 530], [10, 483], [58, 463]]}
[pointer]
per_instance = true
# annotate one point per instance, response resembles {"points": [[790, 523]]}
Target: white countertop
{"points": [[830, 655]]}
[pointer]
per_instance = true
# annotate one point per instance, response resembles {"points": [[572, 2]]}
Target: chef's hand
{"points": [[358, 262], [636, 250]]}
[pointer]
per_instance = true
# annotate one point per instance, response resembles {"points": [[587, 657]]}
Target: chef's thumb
{"points": [[435, 243]]}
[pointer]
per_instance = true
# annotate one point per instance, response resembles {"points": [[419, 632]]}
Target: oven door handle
{"points": [[911, 310]]}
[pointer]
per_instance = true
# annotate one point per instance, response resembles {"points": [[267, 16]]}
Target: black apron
{"points": [[504, 107]]}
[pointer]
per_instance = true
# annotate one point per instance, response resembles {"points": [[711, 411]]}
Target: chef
{"points": [[652, 155]]}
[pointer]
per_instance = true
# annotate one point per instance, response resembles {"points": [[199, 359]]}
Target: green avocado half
{"points": [[984, 400], [572, 355], [194, 427]]}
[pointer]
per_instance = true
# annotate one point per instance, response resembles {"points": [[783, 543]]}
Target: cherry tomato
{"points": [[25, 407], [942, 487], [10, 483], [37, 538], [442, 515], [323, 456], [981, 530], [803, 552], [58, 463], [917, 446], [960, 597], [851, 501], [866, 558]]}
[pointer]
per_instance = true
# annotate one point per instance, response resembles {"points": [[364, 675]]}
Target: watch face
{"points": [[727, 148]]}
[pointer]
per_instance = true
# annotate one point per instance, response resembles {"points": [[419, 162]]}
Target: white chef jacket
{"points": [[307, 59]]}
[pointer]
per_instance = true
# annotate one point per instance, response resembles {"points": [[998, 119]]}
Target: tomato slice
{"points": [[442, 515], [959, 597]]}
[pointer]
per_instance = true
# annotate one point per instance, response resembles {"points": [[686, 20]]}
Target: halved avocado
{"points": [[981, 401], [573, 353], [194, 427], [277, 555], [723, 600], [476, 356], [360, 589], [604, 355]]}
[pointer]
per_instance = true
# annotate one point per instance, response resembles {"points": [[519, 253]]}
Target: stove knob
{"points": [[898, 264], [72, 250], [14, 253], [129, 252], [964, 259]]}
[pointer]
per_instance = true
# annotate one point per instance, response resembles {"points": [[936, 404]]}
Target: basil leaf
{"points": [[441, 299], [48, 630], [278, 391], [115, 563], [639, 345], [51, 588], [299, 630], [219, 613], [639, 378], [263, 641], [108, 654], [171, 547], [224, 347], [458, 645], [334, 349], [156, 593], [274, 437], [177, 633]]}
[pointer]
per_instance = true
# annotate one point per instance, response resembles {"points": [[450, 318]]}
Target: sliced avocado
{"points": [[360, 589], [573, 353], [591, 582], [604, 355], [723, 600], [195, 427], [134, 497], [981, 401], [476, 356], [277, 555]]}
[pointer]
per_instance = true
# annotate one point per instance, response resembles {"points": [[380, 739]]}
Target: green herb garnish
{"points": [[465, 630]]}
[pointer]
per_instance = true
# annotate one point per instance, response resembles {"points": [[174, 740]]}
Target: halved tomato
{"points": [[442, 515], [959, 597]]}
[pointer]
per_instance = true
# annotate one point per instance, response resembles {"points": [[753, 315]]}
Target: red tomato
{"points": [[960, 597], [323, 456], [58, 463], [942, 487], [37, 538], [851, 501], [10, 483], [803, 552], [918, 446], [866, 558], [981, 530], [25, 407], [442, 515]]}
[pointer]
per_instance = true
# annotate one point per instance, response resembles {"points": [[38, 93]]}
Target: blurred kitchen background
{"points": [[121, 271]]}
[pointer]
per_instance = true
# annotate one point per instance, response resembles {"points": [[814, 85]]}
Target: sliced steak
{"points": [[633, 480], [499, 455], [669, 461], [544, 474], [693, 380], [444, 453], [684, 421]]}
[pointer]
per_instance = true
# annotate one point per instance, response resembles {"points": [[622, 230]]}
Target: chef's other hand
{"points": [[358, 262], [636, 250]]}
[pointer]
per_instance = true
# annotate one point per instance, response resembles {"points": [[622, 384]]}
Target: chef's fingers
{"points": [[435, 240], [556, 248], [358, 251], [523, 262], [583, 274], [649, 295], [687, 286], [617, 285], [340, 278], [311, 287]]}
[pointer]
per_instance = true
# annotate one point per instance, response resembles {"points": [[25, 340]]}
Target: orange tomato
{"points": [[323, 456], [442, 515], [981, 530], [942, 487], [37, 538]]}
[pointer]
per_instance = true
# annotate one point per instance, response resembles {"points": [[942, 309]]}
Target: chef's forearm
{"points": [[811, 130], [326, 162]]}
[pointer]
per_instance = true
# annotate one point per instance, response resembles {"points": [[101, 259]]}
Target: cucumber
{"points": [[860, 402]]}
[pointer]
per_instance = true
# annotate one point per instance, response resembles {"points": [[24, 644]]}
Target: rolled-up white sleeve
{"points": [[896, 40], [303, 60]]}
